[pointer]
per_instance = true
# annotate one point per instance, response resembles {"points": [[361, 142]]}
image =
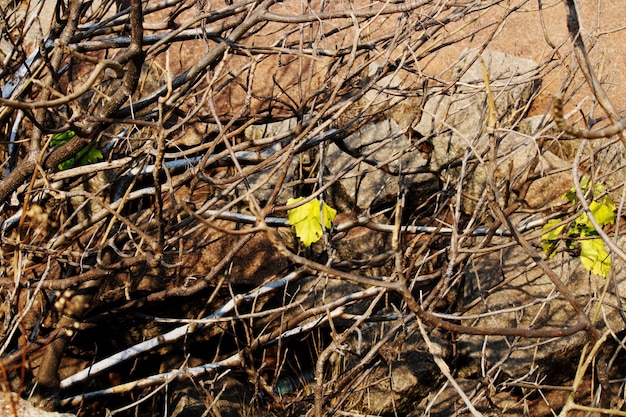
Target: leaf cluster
{"points": [[580, 235]]}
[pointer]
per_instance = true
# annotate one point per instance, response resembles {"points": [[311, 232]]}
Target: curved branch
{"points": [[559, 119], [582, 58], [27, 105]]}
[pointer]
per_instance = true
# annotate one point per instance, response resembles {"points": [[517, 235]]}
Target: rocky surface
{"points": [[457, 122], [404, 372], [401, 374], [12, 405], [506, 289], [387, 161], [382, 158]]}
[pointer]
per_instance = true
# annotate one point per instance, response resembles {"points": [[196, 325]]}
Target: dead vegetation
{"points": [[158, 275]]}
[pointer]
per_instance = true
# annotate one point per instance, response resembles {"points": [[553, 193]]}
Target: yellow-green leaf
{"points": [[328, 215], [584, 224], [297, 214], [307, 219], [554, 234], [87, 155], [594, 256], [603, 210], [549, 239]]}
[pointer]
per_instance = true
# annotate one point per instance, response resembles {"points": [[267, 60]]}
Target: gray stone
{"points": [[456, 120], [509, 290], [379, 149], [262, 183], [394, 384], [11, 404], [452, 122], [256, 132], [358, 242], [516, 152]]}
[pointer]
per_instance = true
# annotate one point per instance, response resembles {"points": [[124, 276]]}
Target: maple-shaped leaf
{"points": [[593, 253], [603, 211], [594, 257], [307, 219]]}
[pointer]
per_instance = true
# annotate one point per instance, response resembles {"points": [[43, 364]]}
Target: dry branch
{"points": [[209, 116]]}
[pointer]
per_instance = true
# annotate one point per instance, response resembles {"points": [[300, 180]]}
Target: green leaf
{"points": [[87, 155], [67, 164], [61, 138], [594, 256], [307, 219]]}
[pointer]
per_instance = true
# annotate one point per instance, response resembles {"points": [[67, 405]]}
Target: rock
{"points": [[263, 182], [456, 121], [385, 152], [188, 402], [358, 242], [233, 398], [391, 386], [609, 158], [256, 132], [12, 405], [553, 167], [226, 396], [256, 262], [509, 282], [309, 293], [516, 152], [398, 96], [451, 123]]}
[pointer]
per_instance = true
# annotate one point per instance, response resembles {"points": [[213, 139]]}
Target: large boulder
{"points": [[376, 161], [455, 119]]}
